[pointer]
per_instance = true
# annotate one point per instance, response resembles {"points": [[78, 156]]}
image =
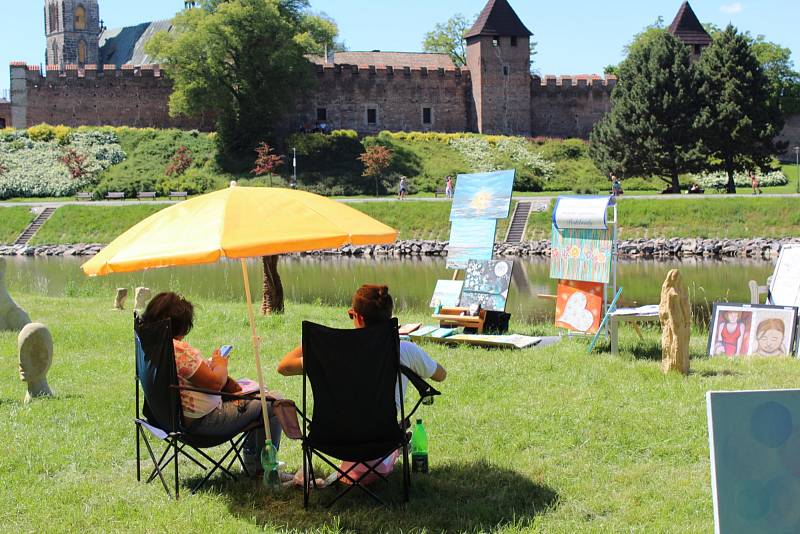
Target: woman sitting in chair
{"points": [[372, 305], [205, 414]]}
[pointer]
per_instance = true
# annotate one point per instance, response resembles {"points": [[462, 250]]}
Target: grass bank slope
{"points": [[13, 221], [91, 224], [549, 440]]}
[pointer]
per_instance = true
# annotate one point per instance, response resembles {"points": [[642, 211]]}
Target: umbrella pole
{"points": [[256, 349]]}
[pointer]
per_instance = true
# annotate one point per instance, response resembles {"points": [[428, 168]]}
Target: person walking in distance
{"points": [[754, 183], [448, 187], [403, 191]]}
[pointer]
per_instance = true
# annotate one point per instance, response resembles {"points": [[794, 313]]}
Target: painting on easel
{"points": [[483, 196], [579, 306], [487, 284], [581, 254], [470, 239]]}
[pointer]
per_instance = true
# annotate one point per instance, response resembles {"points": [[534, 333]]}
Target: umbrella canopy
{"points": [[238, 222]]}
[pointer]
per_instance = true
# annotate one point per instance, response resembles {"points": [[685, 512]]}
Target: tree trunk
{"points": [[676, 184], [272, 300], [731, 189]]}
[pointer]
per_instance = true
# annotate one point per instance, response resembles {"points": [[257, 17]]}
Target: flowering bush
{"points": [[485, 154], [45, 166], [719, 180]]}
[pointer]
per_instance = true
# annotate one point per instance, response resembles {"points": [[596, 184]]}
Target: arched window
{"points": [[80, 18], [81, 52], [54, 58]]}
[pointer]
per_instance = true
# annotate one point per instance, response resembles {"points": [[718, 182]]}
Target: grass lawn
{"points": [[549, 440], [13, 221], [91, 224]]}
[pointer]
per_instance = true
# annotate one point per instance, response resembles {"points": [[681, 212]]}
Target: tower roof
{"points": [[498, 18], [687, 27]]}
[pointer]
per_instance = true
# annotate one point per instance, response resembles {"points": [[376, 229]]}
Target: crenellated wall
{"points": [[95, 96], [397, 94], [790, 135], [566, 106], [5, 114]]}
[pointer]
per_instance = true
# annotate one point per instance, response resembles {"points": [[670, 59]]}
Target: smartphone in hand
{"points": [[225, 350]]}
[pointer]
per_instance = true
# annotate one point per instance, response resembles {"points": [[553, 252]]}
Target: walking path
{"points": [[536, 201]]}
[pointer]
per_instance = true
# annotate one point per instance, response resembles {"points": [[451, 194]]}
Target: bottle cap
{"points": [[419, 421]]}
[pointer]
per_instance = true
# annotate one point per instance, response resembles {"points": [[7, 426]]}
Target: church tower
{"points": [[73, 31], [498, 58]]}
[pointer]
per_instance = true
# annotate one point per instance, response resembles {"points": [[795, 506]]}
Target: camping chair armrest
{"points": [[287, 411], [226, 396], [425, 390]]}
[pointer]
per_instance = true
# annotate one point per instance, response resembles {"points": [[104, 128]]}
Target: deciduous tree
{"points": [[448, 38], [267, 162], [376, 160], [648, 131], [740, 114]]}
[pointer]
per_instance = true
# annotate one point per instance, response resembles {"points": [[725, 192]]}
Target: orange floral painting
{"points": [[579, 306]]}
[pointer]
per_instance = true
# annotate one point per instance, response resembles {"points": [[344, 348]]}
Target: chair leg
{"points": [[306, 476], [406, 475], [157, 468], [138, 455], [175, 446]]}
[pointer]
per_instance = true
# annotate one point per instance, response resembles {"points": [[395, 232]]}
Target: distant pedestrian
{"points": [[401, 194], [616, 186], [755, 184], [448, 187]]}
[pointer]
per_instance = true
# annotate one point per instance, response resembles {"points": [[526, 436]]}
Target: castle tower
{"points": [[73, 30], [688, 29], [498, 58]]}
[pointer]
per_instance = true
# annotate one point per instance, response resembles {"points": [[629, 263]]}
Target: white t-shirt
{"points": [[418, 361]]}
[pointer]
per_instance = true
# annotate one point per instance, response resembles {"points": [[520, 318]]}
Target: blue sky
{"points": [[577, 37]]}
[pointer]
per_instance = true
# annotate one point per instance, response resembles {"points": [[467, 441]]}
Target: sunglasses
{"points": [[351, 313]]}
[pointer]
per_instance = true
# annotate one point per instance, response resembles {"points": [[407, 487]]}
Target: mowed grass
{"points": [[13, 220], [548, 440], [73, 224]]}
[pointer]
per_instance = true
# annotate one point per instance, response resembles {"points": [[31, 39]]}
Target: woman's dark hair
{"points": [[373, 303], [171, 306]]}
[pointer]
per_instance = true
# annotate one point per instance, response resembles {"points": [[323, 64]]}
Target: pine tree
{"points": [[648, 131], [740, 115]]}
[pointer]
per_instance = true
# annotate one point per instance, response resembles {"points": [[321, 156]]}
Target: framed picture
{"points": [[751, 330]]}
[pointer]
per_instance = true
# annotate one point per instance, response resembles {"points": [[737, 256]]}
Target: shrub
{"points": [[41, 132], [180, 162], [194, 181], [490, 153], [718, 180]]}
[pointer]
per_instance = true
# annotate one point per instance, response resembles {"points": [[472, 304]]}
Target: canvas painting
{"points": [[579, 306], [581, 254], [487, 284], [785, 287], [470, 239], [754, 439], [447, 293], [751, 330], [483, 196]]}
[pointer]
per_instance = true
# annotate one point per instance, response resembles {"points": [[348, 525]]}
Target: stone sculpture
{"points": [[141, 298], [12, 317], [119, 300], [676, 324], [35, 356]]}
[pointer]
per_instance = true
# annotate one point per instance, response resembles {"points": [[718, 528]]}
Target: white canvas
{"points": [[785, 287]]}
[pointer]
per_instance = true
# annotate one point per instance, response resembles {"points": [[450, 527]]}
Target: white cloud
{"points": [[732, 9]]}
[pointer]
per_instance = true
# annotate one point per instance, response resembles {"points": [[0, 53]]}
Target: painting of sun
{"points": [[483, 196]]}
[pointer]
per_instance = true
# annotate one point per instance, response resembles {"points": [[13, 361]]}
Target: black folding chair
{"points": [[354, 375], [156, 374]]}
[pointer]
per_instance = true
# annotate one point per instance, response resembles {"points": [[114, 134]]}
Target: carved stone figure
{"points": [[12, 317], [119, 300], [676, 324], [141, 298], [35, 356]]}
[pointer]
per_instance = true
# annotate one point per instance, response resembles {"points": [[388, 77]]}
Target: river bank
{"points": [[764, 248]]}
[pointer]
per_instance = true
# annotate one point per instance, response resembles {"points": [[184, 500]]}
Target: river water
{"points": [[332, 281]]}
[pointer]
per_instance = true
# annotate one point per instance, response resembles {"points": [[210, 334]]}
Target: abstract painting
{"points": [[581, 254], [754, 439], [751, 330], [486, 284], [579, 306], [483, 196], [447, 293], [470, 239]]}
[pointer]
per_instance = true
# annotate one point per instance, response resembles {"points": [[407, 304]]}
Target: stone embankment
{"points": [[635, 248]]}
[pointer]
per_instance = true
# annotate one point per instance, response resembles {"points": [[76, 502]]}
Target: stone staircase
{"points": [[32, 228], [519, 222]]}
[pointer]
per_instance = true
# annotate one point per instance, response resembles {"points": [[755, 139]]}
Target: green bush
{"points": [[194, 181]]}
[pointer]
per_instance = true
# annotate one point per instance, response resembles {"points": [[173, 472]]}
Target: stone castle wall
{"points": [[5, 114], [791, 135], [398, 96], [568, 107], [110, 96]]}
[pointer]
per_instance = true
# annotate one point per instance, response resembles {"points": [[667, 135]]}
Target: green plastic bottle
{"points": [[419, 448]]}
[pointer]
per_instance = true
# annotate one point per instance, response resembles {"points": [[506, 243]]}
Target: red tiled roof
{"points": [[687, 27], [498, 18], [394, 59]]}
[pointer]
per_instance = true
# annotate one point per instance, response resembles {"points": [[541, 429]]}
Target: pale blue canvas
{"points": [[755, 460], [485, 195], [470, 239]]}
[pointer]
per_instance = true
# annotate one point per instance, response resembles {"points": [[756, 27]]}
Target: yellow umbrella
{"points": [[239, 222]]}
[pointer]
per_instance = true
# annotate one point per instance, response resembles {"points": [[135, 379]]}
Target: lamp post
{"points": [[797, 161], [294, 168]]}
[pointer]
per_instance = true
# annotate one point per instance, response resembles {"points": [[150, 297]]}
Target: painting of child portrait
{"points": [[751, 330]]}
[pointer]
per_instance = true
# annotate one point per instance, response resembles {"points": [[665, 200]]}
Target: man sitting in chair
{"points": [[372, 305]]}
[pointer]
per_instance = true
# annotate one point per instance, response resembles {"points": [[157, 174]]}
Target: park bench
{"points": [[115, 195], [145, 194], [438, 192], [178, 194], [83, 195]]}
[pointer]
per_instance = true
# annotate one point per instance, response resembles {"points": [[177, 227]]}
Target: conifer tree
{"points": [[740, 114], [648, 131]]}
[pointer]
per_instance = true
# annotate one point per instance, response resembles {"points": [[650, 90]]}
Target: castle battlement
{"points": [[388, 71], [53, 73], [552, 82]]}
